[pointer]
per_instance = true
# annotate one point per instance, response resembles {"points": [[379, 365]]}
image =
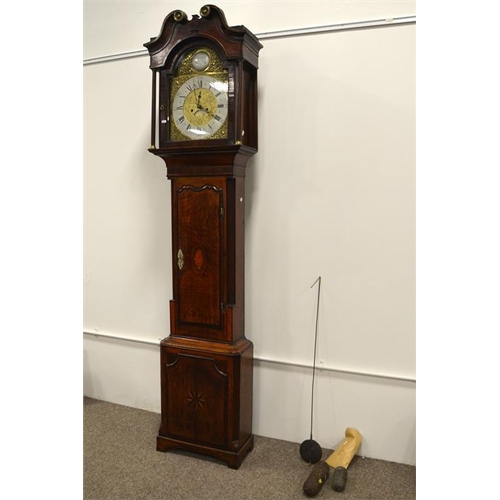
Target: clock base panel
{"points": [[232, 458], [206, 394]]}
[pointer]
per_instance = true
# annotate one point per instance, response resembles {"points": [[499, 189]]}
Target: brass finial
{"points": [[179, 16], [205, 11]]}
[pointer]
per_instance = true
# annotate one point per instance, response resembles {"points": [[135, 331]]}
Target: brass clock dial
{"points": [[200, 107]]}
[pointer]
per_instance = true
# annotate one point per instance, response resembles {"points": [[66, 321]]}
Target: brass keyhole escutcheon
{"points": [[180, 259]]}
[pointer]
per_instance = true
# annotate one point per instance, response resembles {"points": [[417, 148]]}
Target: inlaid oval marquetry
{"points": [[199, 259]]}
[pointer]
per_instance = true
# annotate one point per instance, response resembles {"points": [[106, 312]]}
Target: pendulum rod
{"points": [[315, 344]]}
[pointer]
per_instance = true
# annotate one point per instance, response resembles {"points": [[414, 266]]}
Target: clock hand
{"points": [[198, 101], [198, 104], [204, 110]]}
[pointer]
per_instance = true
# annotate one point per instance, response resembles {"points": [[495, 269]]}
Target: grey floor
{"points": [[121, 462]]}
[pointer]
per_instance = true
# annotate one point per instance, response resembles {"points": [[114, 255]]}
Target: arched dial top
{"points": [[199, 97]]}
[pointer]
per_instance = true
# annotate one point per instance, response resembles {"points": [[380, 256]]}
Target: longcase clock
{"points": [[204, 125]]}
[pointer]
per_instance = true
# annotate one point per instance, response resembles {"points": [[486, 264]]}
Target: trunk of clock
{"points": [[206, 362]]}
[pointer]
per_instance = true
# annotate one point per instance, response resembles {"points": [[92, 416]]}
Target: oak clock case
{"points": [[204, 126]]}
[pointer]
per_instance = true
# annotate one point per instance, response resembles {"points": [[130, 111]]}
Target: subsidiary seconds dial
{"points": [[200, 107]]}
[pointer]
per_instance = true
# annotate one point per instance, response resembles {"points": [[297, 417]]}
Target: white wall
{"points": [[331, 192]]}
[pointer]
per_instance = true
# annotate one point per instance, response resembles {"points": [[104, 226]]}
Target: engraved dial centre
{"points": [[200, 107]]}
